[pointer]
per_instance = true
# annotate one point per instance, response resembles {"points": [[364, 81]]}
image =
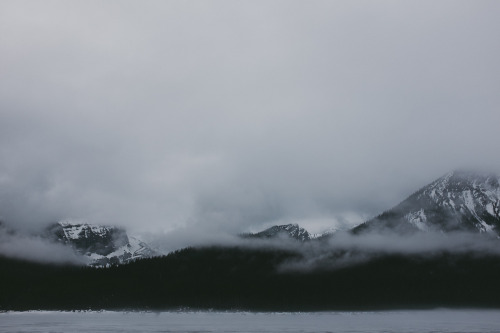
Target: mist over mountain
{"points": [[457, 213], [35, 247], [74, 242]]}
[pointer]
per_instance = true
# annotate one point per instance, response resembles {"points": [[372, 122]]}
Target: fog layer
{"points": [[225, 115]]}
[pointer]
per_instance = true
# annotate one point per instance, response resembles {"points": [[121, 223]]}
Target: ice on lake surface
{"points": [[390, 321]]}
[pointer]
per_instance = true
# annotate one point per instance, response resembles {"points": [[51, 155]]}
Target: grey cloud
{"points": [[37, 249], [227, 115], [345, 249]]}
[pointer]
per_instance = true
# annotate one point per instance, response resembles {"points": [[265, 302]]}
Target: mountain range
{"points": [[309, 275], [459, 201]]}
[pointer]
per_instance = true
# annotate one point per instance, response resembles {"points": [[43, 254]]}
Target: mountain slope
{"points": [[103, 245], [286, 231], [458, 201]]}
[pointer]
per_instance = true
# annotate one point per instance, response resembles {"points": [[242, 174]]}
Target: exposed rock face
{"points": [[103, 245], [286, 231], [87, 238], [458, 201]]}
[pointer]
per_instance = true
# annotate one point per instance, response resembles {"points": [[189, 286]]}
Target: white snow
{"points": [[469, 201], [133, 250], [76, 231], [489, 209], [487, 228], [433, 194], [418, 219]]}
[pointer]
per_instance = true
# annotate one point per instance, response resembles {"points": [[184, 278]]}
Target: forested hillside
{"points": [[236, 278]]}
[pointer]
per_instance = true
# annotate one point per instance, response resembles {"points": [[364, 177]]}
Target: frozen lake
{"points": [[390, 321]]}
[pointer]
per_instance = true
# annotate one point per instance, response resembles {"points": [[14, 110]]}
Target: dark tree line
{"points": [[235, 278]]}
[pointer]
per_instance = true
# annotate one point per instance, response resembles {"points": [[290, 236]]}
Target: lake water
{"points": [[390, 321]]}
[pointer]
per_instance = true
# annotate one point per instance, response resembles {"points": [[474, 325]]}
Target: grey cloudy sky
{"points": [[233, 115]]}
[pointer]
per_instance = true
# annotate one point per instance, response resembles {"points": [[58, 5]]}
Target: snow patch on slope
{"points": [[418, 219], [77, 231], [102, 245]]}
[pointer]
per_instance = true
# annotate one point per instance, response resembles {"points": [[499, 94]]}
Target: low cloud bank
{"points": [[342, 249], [35, 248], [189, 237], [346, 249], [422, 243], [419, 243]]}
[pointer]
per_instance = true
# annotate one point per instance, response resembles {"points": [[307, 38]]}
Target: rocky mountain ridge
{"points": [[458, 201], [462, 201], [101, 245], [285, 231]]}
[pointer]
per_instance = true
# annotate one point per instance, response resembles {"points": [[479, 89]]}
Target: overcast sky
{"points": [[233, 115]]}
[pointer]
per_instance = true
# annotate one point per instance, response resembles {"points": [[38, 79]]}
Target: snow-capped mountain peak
{"points": [[458, 201], [102, 245]]}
